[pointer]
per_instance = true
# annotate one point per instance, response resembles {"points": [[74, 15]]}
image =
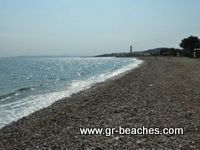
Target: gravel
{"points": [[162, 92]]}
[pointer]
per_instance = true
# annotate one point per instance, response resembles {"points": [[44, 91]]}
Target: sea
{"points": [[28, 84]]}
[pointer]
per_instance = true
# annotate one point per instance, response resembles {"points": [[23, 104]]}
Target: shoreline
{"points": [[155, 94], [74, 87]]}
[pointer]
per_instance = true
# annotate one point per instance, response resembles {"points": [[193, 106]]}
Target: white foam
{"points": [[18, 109]]}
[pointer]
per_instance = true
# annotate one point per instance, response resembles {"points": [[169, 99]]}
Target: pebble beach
{"points": [[162, 92]]}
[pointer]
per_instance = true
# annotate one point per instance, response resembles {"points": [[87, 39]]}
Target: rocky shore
{"points": [[162, 92]]}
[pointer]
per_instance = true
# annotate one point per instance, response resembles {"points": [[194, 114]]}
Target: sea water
{"points": [[28, 84]]}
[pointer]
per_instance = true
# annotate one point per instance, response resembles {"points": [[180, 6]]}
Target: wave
{"points": [[15, 93], [25, 89], [7, 96], [18, 109]]}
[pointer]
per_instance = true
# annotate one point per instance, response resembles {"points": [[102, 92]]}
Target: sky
{"points": [[91, 27]]}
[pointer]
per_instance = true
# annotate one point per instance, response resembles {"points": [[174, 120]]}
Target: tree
{"points": [[168, 52], [189, 44]]}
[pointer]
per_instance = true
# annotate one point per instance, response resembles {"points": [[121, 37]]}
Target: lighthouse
{"points": [[131, 49]]}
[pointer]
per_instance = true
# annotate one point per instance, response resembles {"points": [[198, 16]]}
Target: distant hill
{"points": [[162, 51], [153, 51]]}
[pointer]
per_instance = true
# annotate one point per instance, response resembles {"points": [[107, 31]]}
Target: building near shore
{"points": [[196, 53]]}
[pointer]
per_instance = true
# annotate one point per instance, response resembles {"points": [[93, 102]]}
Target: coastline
{"points": [[44, 100], [162, 92]]}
